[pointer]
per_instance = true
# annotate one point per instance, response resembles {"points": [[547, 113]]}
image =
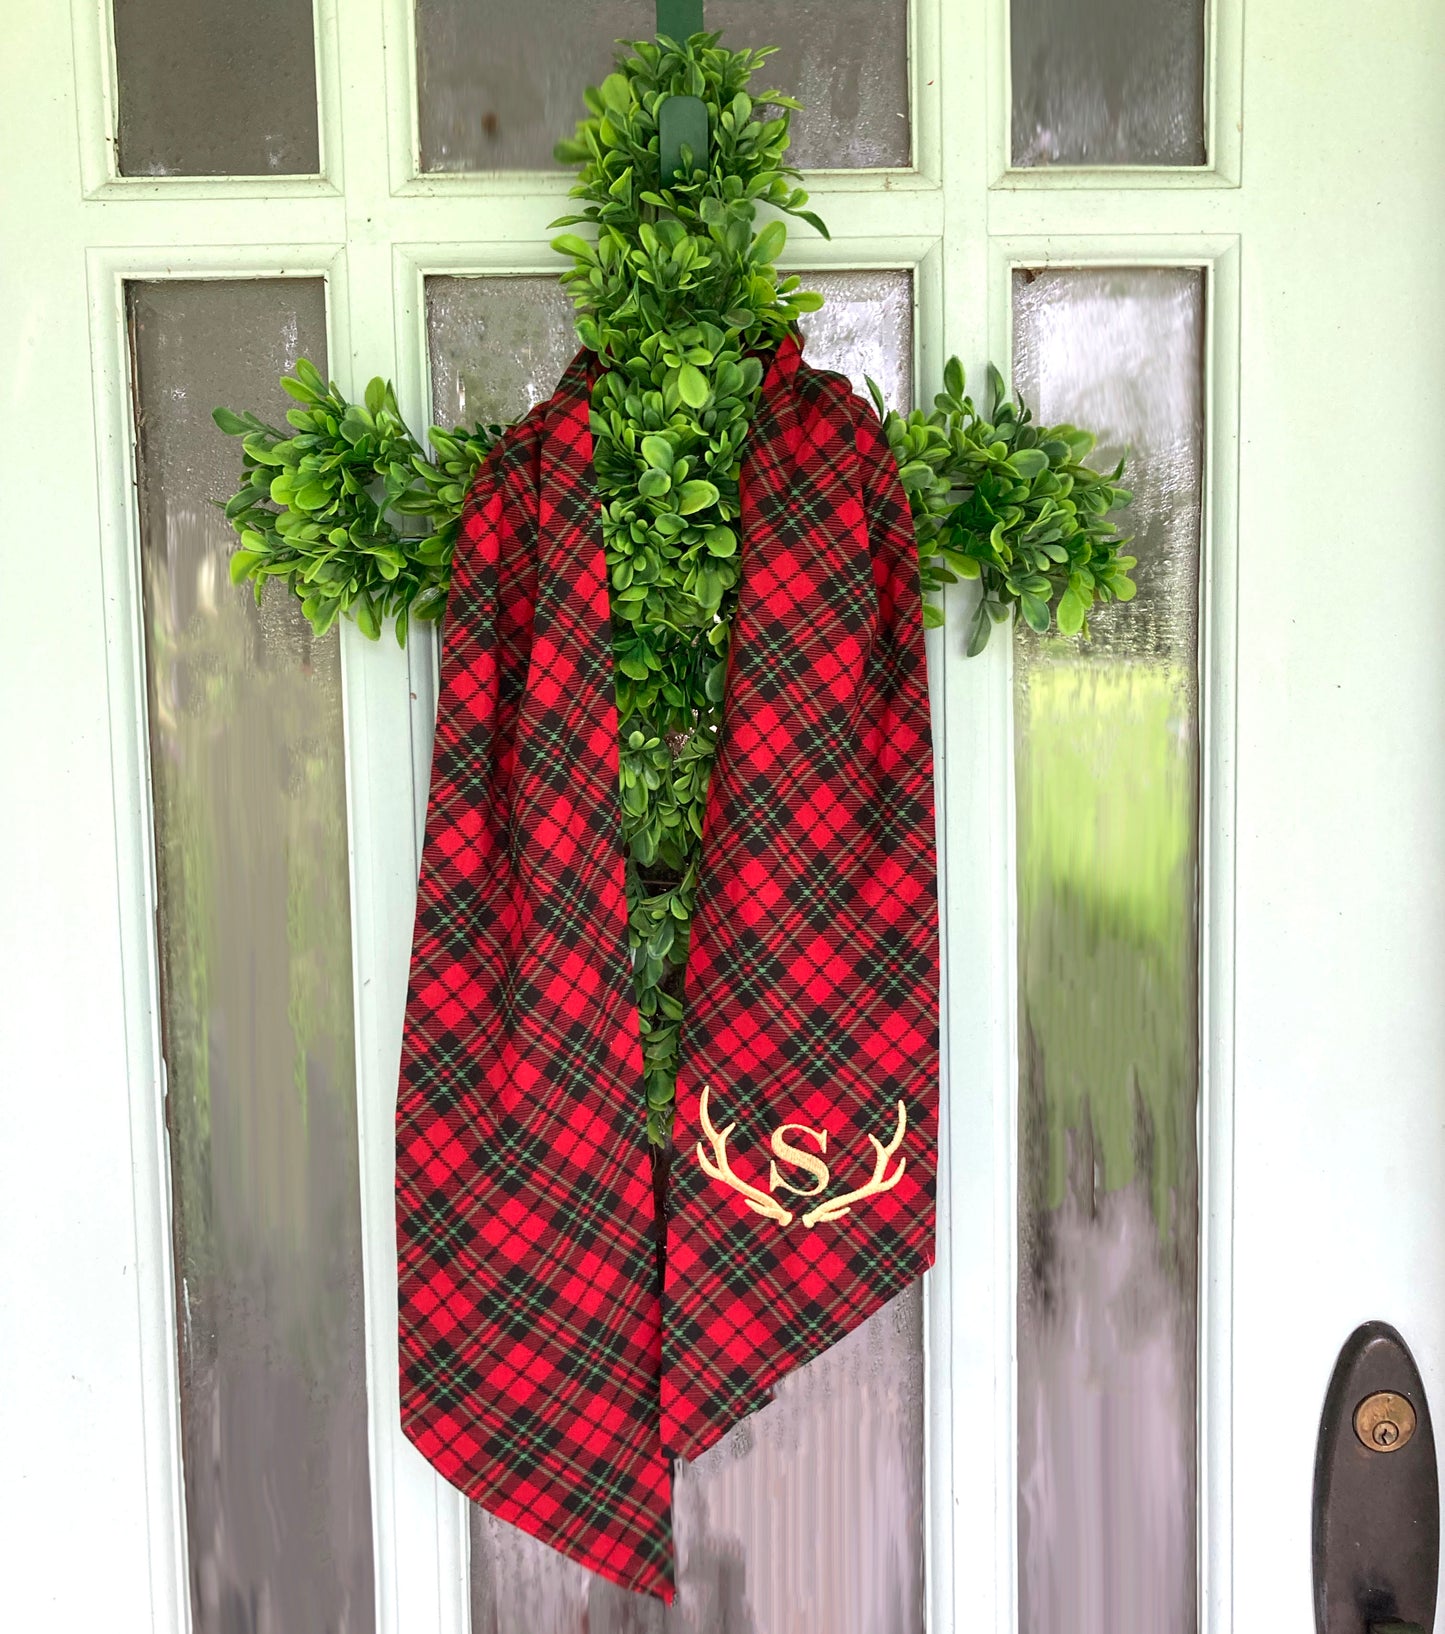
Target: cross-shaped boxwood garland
{"points": [[677, 294]]}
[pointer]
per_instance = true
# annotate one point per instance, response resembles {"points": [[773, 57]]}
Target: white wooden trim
{"points": [[925, 93], [970, 1455], [1219, 703], [1102, 213], [136, 897], [418, 1517], [403, 136], [97, 115], [1223, 118]]}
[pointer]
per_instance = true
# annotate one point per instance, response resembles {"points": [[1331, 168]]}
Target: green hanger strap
{"points": [[681, 120], [679, 19], [681, 123]]}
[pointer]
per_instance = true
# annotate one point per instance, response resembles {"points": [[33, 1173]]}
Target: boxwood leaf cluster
{"points": [[999, 499], [679, 296]]}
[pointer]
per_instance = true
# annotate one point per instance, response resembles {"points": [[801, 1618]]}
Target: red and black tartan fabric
{"points": [[541, 1372]]}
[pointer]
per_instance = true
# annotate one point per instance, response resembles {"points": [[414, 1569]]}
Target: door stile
{"points": [[156, 1330], [418, 1519], [971, 1542]]}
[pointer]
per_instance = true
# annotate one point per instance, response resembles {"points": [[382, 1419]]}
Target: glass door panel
{"points": [[213, 88], [1106, 740], [499, 84], [254, 926], [1107, 82]]}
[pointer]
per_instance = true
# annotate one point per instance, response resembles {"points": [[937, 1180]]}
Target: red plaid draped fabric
{"points": [[542, 1369]]}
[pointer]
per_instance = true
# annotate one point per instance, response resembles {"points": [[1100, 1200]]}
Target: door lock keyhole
{"points": [[1384, 1421]]}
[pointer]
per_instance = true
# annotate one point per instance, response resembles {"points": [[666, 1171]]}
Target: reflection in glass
{"points": [[212, 88], [256, 1004], [810, 1514], [500, 84], [1107, 82], [1107, 768]]}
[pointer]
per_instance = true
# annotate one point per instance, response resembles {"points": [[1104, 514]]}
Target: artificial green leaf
{"points": [[243, 563], [578, 248], [658, 452], [309, 376], [694, 496], [979, 629], [692, 386], [1070, 613], [769, 243], [366, 620], [1035, 611]]}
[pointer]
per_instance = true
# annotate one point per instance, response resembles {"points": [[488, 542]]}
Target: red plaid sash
{"points": [[540, 1370]]}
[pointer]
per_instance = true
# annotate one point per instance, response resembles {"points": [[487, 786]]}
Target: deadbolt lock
{"points": [[1384, 1421]]}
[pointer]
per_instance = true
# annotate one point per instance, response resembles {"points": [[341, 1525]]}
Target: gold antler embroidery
{"points": [[760, 1202], [836, 1207]]}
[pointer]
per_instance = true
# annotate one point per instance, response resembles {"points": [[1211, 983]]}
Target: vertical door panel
{"points": [[1107, 768], [255, 945], [1340, 901]]}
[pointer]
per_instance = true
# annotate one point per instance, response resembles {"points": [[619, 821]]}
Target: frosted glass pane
{"points": [[866, 328], [500, 82], [497, 345], [256, 1004], [1107, 82], [214, 88], [1107, 768], [809, 1515]]}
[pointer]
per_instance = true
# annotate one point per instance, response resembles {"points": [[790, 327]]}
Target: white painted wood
{"points": [[970, 1332], [1322, 1135], [419, 1525], [1340, 869]]}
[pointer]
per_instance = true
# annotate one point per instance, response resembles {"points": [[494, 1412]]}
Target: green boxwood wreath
{"points": [[677, 292]]}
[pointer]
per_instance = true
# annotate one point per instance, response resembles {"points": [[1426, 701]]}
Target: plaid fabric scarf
{"points": [[543, 1371]]}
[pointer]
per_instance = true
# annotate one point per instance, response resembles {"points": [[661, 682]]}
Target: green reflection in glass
{"points": [[1106, 843]]}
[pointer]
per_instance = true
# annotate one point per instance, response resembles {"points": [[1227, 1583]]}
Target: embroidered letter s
{"points": [[784, 1149]]}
